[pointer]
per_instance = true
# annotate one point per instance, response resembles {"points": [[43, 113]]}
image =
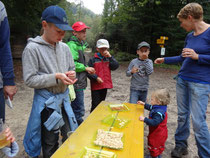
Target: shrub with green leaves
{"points": [[123, 56]]}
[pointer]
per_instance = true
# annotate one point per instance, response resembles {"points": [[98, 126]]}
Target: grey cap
{"points": [[102, 43], [143, 44]]}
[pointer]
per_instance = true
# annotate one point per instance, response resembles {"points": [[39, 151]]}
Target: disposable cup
{"points": [[3, 139]]}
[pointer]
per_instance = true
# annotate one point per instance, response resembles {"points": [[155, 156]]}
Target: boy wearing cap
{"points": [[103, 62], [48, 67], [77, 46], [139, 69]]}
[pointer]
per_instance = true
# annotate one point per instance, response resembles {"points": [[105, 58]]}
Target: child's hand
{"points": [[99, 80], [141, 118], [134, 70], [65, 79], [71, 75], [90, 70], [140, 102], [106, 54]]}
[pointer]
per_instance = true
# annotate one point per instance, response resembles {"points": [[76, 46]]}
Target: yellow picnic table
{"points": [[84, 135]]}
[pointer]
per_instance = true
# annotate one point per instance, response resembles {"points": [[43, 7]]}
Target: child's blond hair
{"points": [[162, 95]]}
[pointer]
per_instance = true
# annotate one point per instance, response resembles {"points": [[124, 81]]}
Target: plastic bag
{"points": [[115, 121], [72, 94], [118, 107], [94, 153], [109, 139]]}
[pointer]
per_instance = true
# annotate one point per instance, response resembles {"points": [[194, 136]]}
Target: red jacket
{"points": [[103, 67]]}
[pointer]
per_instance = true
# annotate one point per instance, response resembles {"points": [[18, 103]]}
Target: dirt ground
{"points": [[17, 117]]}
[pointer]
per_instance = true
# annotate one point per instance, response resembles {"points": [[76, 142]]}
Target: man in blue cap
{"points": [[48, 67]]}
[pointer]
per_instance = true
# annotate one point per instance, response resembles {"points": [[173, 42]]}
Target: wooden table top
{"points": [[85, 134]]}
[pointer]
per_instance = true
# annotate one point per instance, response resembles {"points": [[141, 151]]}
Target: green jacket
{"points": [[77, 49]]}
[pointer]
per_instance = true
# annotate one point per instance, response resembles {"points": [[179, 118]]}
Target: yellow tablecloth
{"points": [[85, 133]]}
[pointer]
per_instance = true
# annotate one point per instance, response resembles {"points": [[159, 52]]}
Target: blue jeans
{"points": [[78, 106], [192, 98], [2, 104], [136, 95]]}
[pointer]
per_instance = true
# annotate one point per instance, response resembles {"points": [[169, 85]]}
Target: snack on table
{"points": [[109, 139], [118, 122], [93, 153], [118, 107]]}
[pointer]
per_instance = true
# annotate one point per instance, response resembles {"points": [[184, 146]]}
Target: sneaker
{"points": [[179, 151]]}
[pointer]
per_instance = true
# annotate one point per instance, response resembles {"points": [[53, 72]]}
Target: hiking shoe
{"points": [[178, 152]]}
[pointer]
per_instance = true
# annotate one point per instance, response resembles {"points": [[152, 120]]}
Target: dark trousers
{"points": [[2, 104], [97, 96], [78, 106], [50, 138]]}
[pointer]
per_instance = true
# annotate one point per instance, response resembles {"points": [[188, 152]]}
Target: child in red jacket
{"points": [[157, 122], [103, 62]]}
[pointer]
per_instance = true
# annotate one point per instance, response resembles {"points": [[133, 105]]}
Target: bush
{"points": [[123, 56], [168, 66]]}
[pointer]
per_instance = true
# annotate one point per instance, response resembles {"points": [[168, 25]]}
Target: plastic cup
{"points": [[3, 139]]}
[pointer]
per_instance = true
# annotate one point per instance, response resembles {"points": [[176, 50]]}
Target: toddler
{"points": [[157, 122]]}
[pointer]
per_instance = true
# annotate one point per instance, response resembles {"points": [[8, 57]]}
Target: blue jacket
{"points": [[42, 98], [6, 63], [157, 114]]}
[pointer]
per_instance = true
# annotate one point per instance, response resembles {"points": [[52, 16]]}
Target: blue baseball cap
{"points": [[56, 15]]}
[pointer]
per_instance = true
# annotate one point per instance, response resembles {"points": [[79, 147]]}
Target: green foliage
{"points": [[123, 56], [76, 12], [25, 18], [132, 21], [124, 23], [167, 66]]}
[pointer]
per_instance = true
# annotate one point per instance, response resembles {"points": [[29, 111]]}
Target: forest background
{"points": [[124, 23]]}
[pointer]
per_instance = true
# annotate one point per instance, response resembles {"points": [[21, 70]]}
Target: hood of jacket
{"points": [[40, 40]]}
